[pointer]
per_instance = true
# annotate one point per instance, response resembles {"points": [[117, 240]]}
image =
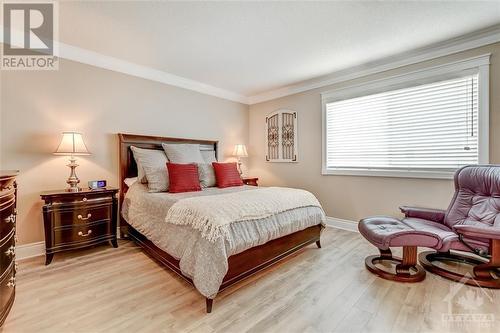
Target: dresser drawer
{"points": [[7, 186], [83, 233], [81, 215], [7, 285], [7, 216], [7, 251]]}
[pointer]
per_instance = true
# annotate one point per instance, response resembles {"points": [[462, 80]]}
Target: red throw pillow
{"points": [[183, 178], [227, 174]]}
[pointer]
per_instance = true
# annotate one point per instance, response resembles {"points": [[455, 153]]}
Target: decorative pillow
{"points": [[183, 153], [227, 174], [206, 174], [183, 177], [208, 156], [137, 152], [153, 163], [130, 181]]}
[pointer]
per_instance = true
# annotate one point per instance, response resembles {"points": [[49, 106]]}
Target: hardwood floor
{"points": [[316, 290]]}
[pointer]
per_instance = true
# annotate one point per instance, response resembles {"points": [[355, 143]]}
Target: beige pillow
{"points": [[208, 156], [140, 170], [154, 164], [183, 153], [206, 174], [206, 170]]}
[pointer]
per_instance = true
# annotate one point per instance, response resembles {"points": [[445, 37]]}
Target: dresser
{"points": [[8, 213], [74, 220]]}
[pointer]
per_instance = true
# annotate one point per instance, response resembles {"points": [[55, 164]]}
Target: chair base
{"points": [[407, 269], [485, 275]]}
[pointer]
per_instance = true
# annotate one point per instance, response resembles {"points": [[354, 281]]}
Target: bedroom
{"points": [[261, 89]]}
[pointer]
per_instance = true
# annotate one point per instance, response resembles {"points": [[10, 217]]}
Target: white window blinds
{"points": [[430, 127]]}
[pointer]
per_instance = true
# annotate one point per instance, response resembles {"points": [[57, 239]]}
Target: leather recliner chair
{"points": [[470, 225]]}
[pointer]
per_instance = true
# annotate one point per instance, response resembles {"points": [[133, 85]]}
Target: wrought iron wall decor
{"points": [[281, 139]]}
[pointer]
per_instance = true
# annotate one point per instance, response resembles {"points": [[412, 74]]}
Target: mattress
{"points": [[205, 262]]}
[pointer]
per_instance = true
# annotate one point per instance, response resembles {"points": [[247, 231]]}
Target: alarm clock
{"points": [[97, 184]]}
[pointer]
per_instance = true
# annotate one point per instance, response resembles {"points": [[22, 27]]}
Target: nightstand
{"points": [[253, 181], [74, 220]]}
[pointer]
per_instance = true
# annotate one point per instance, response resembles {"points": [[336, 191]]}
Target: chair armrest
{"points": [[436, 215], [477, 232]]}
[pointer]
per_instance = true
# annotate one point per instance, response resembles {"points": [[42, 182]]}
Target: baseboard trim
{"points": [[30, 250], [348, 225]]}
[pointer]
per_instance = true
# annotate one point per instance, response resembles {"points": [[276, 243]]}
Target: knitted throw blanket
{"points": [[212, 215]]}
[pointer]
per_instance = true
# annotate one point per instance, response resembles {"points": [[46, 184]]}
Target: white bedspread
{"points": [[212, 215], [206, 262]]}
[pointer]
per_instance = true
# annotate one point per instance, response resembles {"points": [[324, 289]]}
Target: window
{"points": [[425, 127]]}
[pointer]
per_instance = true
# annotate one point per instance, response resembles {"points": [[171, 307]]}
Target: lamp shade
{"points": [[72, 144], [240, 151]]}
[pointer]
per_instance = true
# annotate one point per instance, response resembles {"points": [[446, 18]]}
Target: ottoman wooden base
{"points": [[486, 273], [407, 269]]}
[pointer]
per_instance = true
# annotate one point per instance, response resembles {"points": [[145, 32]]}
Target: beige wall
{"points": [[36, 106], [350, 197]]}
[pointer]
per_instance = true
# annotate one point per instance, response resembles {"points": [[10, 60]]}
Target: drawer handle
{"points": [[12, 282], [80, 233], [8, 188], [11, 218], [84, 199], [80, 217], [11, 251]]}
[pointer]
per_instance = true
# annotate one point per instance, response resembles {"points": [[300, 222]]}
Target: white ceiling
{"points": [[253, 47]]}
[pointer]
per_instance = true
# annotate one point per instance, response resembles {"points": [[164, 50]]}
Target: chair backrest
{"points": [[477, 197]]}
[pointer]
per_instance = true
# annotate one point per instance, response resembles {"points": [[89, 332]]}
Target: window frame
{"points": [[475, 65]]}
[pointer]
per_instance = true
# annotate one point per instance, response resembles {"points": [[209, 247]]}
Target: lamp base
{"points": [[73, 179], [239, 168]]}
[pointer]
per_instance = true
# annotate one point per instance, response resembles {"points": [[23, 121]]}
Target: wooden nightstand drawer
{"points": [[7, 215], [81, 214], [77, 233], [87, 197], [7, 251]]}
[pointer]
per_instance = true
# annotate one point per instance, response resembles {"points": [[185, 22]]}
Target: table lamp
{"points": [[71, 145], [240, 151]]}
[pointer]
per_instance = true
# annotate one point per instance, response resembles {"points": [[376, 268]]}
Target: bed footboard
{"points": [[241, 265]]}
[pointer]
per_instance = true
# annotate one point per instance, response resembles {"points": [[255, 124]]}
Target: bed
{"points": [[223, 263]]}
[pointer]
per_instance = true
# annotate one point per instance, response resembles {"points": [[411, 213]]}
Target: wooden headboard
{"points": [[128, 167]]}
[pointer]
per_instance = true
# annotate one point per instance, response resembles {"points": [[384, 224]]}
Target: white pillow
{"points": [[206, 174], [208, 156], [154, 163], [183, 153], [130, 181]]}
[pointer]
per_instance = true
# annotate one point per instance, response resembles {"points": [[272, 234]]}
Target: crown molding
{"points": [[84, 56], [95, 59], [466, 42]]}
